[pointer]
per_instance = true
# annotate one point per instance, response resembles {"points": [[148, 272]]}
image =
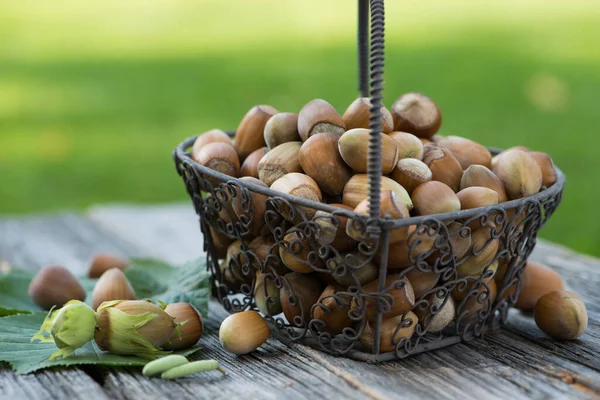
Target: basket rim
{"points": [[181, 155]]}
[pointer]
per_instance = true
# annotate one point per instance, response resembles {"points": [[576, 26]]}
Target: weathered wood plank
{"points": [[68, 240], [273, 372], [517, 362]]}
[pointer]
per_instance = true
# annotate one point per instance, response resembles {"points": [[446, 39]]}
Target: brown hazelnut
{"points": [[466, 151], [358, 113], [250, 165], [279, 161], [319, 116], [53, 286], [410, 173], [444, 167], [409, 146], [416, 113], [354, 149], [249, 135], [281, 128], [320, 159], [478, 175], [561, 315]]}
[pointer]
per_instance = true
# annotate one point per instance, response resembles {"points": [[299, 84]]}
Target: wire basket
{"points": [[354, 297]]}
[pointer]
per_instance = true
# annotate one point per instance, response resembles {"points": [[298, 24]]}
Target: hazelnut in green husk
{"points": [[133, 327], [70, 328]]}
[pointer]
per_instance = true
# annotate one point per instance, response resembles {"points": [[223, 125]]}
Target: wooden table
{"points": [[517, 363]]}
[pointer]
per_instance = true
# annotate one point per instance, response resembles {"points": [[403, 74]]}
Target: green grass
{"points": [[95, 95]]}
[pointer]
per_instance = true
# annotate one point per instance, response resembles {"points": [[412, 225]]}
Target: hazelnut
{"points": [[481, 254], [249, 135], [112, 285], [298, 294], [478, 175], [352, 269], [53, 286], [410, 173], [252, 211], [103, 262], [220, 242], [279, 161], [416, 113], [476, 196], [332, 310], [319, 116], [212, 136], [466, 151], [390, 204], [281, 128], [394, 332], [243, 332], [191, 330], [320, 159], [519, 173], [434, 198], [419, 245], [445, 311], [422, 282], [561, 315], [444, 167], [250, 165], [266, 295], [332, 229], [409, 146], [357, 189], [358, 113], [300, 253], [401, 292], [547, 167], [299, 185], [354, 149], [537, 280], [220, 157]]}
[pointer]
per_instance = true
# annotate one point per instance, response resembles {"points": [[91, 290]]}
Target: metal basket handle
{"points": [[374, 87]]}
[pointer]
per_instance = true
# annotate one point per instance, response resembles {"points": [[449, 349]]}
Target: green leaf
{"points": [[151, 279], [17, 349], [13, 293], [157, 280]]}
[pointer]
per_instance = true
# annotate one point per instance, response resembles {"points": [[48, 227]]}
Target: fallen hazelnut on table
{"points": [[103, 262], [190, 326], [112, 285], [53, 286], [561, 315], [537, 280], [243, 332]]}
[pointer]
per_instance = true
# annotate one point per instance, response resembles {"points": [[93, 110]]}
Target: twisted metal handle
{"points": [[375, 67]]}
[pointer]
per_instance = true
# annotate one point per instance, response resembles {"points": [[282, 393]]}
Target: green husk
{"points": [[69, 328]]}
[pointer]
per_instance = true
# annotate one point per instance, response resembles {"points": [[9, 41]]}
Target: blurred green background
{"points": [[94, 95]]}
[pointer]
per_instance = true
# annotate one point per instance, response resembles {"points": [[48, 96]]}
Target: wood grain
{"points": [[518, 362]]}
